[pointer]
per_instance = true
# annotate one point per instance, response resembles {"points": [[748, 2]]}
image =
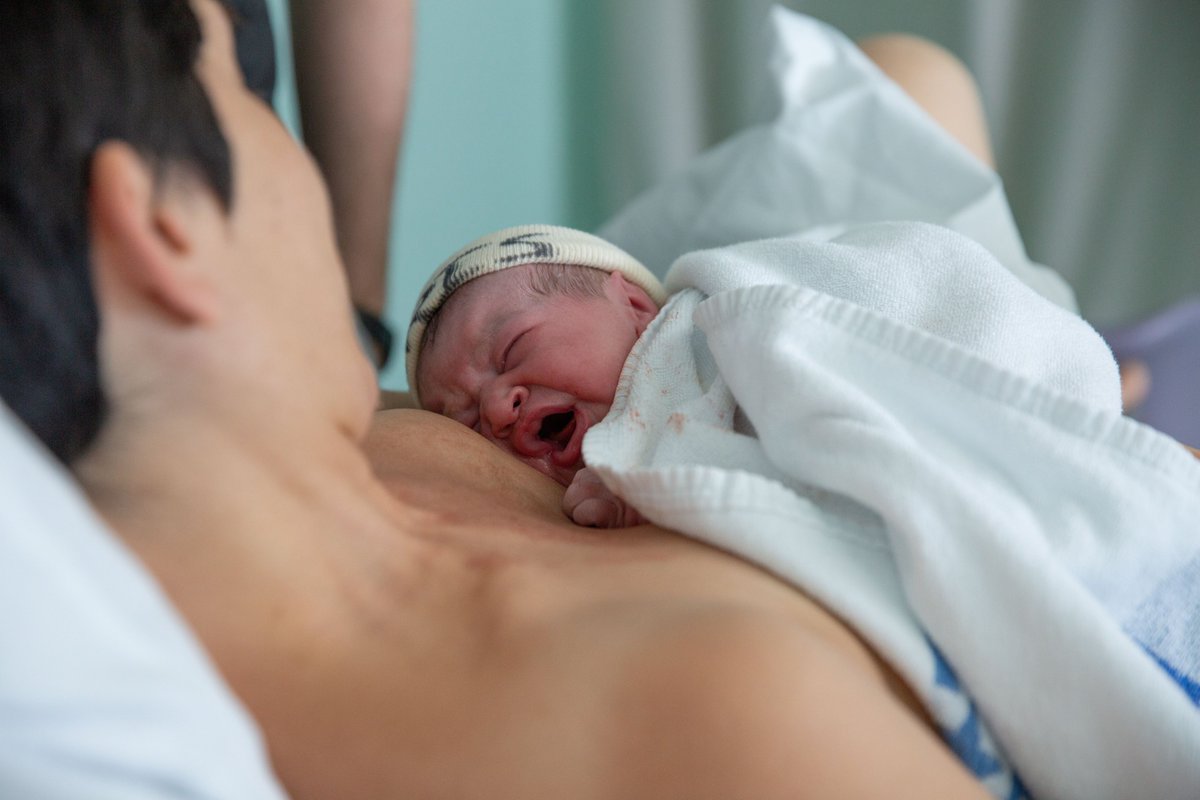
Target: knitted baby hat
{"points": [[514, 247]]}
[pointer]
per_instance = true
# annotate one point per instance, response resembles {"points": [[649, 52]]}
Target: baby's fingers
{"points": [[588, 502], [597, 512]]}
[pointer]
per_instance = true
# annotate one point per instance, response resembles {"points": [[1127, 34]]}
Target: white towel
{"points": [[959, 486], [934, 280]]}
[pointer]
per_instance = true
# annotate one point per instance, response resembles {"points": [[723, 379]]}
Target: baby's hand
{"points": [[588, 502]]}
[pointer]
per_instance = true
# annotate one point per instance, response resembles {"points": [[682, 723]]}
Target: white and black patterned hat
{"points": [[514, 247]]}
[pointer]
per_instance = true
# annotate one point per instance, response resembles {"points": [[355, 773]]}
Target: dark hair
{"points": [[74, 74]]}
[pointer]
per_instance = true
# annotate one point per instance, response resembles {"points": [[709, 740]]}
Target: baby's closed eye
{"points": [[508, 353]]}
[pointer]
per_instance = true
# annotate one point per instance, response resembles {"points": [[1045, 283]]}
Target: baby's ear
{"points": [[641, 308]]}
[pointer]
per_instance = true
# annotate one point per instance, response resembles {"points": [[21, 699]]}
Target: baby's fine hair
{"points": [[547, 280]]}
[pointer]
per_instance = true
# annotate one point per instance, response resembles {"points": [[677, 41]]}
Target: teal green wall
{"points": [[285, 86], [486, 138]]}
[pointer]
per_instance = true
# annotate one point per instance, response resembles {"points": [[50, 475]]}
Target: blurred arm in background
{"points": [[353, 67]]}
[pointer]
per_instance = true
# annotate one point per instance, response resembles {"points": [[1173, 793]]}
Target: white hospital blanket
{"points": [[940, 459]]}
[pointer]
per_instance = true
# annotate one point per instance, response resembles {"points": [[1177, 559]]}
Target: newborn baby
{"points": [[522, 336]]}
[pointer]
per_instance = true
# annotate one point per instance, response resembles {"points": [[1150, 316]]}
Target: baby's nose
{"points": [[502, 409]]}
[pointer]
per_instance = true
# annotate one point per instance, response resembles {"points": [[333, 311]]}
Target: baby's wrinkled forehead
{"points": [[469, 320], [471, 306]]}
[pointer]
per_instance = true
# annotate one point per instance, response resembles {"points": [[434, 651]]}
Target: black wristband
{"points": [[381, 335]]}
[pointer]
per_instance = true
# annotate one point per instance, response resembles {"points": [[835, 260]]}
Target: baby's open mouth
{"points": [[558, 429], [555, 439]]}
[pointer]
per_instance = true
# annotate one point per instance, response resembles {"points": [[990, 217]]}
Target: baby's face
{"points": [[531, 373]]}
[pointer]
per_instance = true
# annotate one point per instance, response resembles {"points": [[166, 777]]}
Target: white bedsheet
{"points": [[104, 692], [846, 147]]}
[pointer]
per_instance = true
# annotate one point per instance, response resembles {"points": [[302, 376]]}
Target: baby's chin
{"points": [[562, 475]]}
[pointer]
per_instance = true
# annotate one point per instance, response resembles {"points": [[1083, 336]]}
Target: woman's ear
{"points": [[629, 294], [144, 238]]}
